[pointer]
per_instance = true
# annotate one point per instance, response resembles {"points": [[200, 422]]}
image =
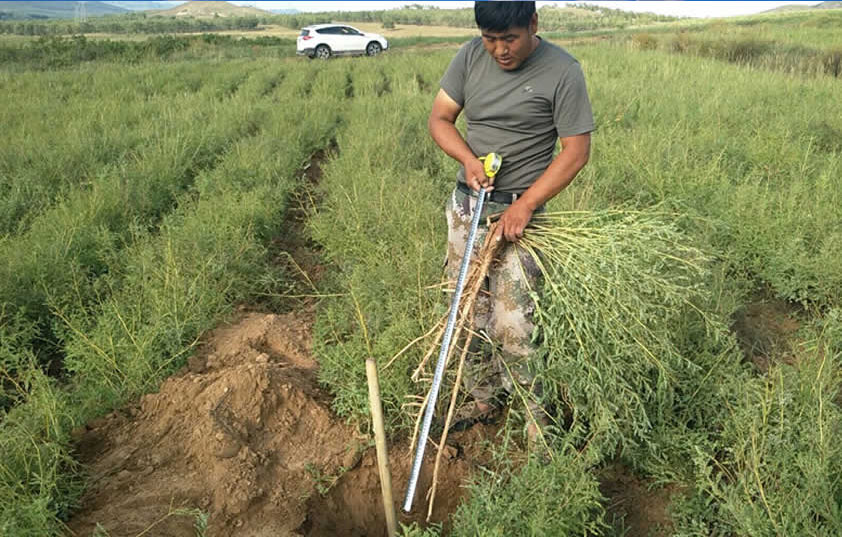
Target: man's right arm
{"points": [[442, 126]]}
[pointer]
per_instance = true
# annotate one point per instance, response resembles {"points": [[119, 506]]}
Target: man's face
{"points": [[510, 48]]}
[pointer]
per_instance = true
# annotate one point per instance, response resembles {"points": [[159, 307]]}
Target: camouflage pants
{"points": [[504, 309]]}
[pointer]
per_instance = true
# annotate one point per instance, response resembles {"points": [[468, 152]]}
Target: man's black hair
{"points": [[500, 16]]}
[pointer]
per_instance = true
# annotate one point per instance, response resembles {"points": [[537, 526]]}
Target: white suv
{"points": [[326, 40]]}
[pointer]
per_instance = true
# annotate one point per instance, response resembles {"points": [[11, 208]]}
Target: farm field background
{"points": [[153, 192]]}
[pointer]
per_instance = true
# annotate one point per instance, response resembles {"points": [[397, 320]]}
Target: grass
{"points": [[541, 499], [780, 472], [156, 193], [165, 277], [70, 253], [734, 176], [399, 31], [363, 225], [746, 171], [803, 44]]}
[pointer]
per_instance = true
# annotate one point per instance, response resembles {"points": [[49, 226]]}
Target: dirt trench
{"points": [[246, 436], [242, 441]]}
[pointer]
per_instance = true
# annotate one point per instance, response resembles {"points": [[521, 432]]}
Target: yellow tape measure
{"points": [[491, 164]]}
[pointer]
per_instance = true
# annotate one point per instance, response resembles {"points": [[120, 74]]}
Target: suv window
{"points": [[305, 32], [349, 31], [332, 30]]}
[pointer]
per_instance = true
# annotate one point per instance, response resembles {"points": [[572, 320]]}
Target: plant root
{"points": [[477, 272]]}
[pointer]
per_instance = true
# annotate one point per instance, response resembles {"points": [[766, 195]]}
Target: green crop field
{"points": [[144, 188]]}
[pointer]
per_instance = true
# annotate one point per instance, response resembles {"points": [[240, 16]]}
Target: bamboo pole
{"points": [[382, 451]]}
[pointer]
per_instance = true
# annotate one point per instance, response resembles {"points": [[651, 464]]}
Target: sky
{"points": [[691, 8]]}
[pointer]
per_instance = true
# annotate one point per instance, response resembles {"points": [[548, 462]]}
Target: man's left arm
{"points": [[562, 170]]}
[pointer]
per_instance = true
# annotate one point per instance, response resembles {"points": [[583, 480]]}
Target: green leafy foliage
{"points": [[413, 530], [57, 51], [70, 253], [140, 203], [760, 191], [540, 498], [577, 18], [130, 23], [778, 468], [127, 273], [39, 479], [377, 227]]}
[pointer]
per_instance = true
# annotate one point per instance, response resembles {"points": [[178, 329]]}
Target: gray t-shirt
{"points": [[519, 114]]}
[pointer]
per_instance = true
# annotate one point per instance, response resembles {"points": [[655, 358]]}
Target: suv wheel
{"points": [[323, 52], [373, 48]]}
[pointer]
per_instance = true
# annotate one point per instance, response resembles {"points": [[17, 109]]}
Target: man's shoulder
{"points": [[556, 55], [472, 49]]}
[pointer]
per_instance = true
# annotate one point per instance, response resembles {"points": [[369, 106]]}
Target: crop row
{"points": [[742, 169], [121, 273], [141, 265]]}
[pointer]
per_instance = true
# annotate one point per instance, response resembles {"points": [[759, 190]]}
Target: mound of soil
{"points": [[245, 436]]}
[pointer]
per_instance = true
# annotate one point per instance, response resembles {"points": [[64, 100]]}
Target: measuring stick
{"points": [[492, 163], [445, 346]]}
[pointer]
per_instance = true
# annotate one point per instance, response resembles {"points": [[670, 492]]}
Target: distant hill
{"points": [[144, 6], [56, 10], [835, 4], [203, 8]]}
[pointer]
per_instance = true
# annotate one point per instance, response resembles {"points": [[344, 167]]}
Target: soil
{"points": [[638, 510], [245, 435], [766, 330]]}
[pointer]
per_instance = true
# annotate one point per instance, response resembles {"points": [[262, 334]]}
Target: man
{"points": [[519, 95]]}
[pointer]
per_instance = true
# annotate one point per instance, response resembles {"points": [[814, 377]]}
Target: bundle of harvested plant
{"points": [[616, 287], [615, 284]]}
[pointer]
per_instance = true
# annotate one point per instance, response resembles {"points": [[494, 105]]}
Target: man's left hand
{"points": [[514, 221]]}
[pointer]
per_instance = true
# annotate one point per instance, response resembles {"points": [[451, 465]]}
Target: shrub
{"points": [[778, 467], [549, 499], [645, 41]]}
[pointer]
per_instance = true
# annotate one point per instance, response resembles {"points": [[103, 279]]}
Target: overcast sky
{"points": [[692, 8]]}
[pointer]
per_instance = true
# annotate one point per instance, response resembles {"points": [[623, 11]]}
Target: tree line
{"points": [[585, 17]]}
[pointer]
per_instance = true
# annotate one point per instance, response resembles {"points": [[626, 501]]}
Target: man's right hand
{"points": [[475, 176], [442, 125]]}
